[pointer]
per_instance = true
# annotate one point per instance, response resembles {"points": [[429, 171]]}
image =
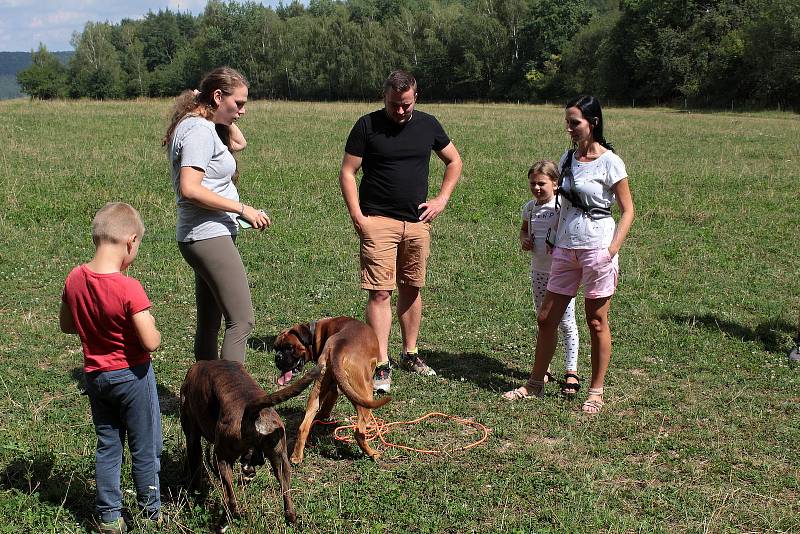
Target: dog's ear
{"points": [[303, 333], [264, 423]]}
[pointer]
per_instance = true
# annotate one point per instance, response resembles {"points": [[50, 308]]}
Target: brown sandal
{"points": [[593, 406]]}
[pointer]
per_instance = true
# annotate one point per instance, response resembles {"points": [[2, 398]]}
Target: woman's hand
{"points": [[257, 218]]}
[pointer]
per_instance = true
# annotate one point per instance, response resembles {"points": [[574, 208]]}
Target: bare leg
{"points": [[379, 317], [409, 314], [600, 333], [553, 308]]}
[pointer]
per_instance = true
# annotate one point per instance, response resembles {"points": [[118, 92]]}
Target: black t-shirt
{"points": [[395, 162]]}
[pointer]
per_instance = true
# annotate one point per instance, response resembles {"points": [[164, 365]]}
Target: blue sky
{"points": [[26, 23]]}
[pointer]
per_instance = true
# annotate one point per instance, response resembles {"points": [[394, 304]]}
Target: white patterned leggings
{"points": [[568, 327]]}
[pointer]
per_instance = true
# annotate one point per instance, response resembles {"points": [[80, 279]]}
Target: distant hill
{"points": [[13, 62]]}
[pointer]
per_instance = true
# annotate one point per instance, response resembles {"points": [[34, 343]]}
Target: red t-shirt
{"points": [[102, 308]]}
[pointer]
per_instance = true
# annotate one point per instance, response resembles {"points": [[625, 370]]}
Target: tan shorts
{"points": [[394, 252]]}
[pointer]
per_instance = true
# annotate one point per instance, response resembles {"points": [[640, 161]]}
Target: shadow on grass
{"points": [[261, 343], [482, 370], [38, 475], [771, 334], [321, 437], [169, 403], [72, 487]]}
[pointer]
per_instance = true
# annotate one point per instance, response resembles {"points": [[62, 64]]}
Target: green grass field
{"points": [[700, 430]]}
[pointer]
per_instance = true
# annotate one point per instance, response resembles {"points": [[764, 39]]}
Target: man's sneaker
{"points": [[794, 354], [382, 380], [117, 526], [414, 364]]}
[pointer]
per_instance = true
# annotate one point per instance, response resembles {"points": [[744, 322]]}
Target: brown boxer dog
{"points": [[221, 402], [348, 349]]}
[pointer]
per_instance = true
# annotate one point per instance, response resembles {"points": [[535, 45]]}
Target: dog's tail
{"points": [[292, 390], [344, 384]]}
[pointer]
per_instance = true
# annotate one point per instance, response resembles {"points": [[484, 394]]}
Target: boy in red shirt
{"points": [[111, 314]]}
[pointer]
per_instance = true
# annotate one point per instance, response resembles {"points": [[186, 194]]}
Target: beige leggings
{"points": [[221, 289]]}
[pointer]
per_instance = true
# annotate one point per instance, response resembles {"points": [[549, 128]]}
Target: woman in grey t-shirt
{"points": [[208, 203]]}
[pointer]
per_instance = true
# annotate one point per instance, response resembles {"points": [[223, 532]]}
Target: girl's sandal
{"points": [[569, 389], [593, 406], [522, 392]]}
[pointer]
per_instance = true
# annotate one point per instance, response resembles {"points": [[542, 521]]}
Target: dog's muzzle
{"points": [[288, 364]]}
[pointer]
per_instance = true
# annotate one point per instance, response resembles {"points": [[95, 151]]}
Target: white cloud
{"points": [[24, 23], [59, 18]]}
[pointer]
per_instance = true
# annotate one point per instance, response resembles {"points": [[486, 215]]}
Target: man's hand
{"points": [[432, 208], [359, 220]]}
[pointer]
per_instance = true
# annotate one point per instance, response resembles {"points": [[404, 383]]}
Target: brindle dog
{"points": [[222, 403], [349, 350]]}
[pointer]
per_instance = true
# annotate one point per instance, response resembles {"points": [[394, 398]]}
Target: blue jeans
{"points": [[125, 402]]}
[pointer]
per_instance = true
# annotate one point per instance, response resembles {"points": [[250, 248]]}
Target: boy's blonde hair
{"points": [[546, 167], [115, 222]]}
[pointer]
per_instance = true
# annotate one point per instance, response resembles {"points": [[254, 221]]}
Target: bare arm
{"points": [[524, 237], [145, 325], [347, 183], [65, 321], [452, 172], [191, 187], [237, 140], [622, 190]]}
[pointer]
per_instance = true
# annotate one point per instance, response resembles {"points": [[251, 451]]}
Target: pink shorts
{"points": [[594, 267]]}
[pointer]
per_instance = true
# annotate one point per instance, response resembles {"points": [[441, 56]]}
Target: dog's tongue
{"points": [[284, 378]]}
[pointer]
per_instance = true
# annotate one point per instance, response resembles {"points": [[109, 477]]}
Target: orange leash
{"points": [[378, 428]]}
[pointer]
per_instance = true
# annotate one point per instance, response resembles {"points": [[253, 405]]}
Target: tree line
{"points": [[707, 53]]}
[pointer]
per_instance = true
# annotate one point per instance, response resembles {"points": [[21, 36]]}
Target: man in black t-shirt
{"points": [[391, 213]]}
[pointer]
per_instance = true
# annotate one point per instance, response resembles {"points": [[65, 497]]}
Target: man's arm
{"points": [[452, 172], [145, 325], [65, 321], [347, 182]]}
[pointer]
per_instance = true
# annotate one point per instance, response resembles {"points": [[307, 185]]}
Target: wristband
{"points": [[241, 211]]}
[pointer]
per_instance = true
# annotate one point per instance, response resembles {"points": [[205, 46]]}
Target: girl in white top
{"points": [[538, 216], [586, 245]]}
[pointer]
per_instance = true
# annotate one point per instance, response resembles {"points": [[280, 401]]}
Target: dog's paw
{"points": [[296, 459]]}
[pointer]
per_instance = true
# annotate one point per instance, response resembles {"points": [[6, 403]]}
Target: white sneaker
{"points": [[382, 380], [794, 354]]}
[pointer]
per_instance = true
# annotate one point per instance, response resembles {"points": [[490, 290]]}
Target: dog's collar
{"points": [[312, 327]]}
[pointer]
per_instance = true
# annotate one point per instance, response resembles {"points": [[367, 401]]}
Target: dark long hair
{"points": [[590, 109]]}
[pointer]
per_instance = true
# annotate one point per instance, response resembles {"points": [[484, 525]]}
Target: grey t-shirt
{"points": [[195, 143]]}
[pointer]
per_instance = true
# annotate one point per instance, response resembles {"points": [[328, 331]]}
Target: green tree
{"points": [[771, 56], [46, 78], [95, 67], [132, 61]]}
